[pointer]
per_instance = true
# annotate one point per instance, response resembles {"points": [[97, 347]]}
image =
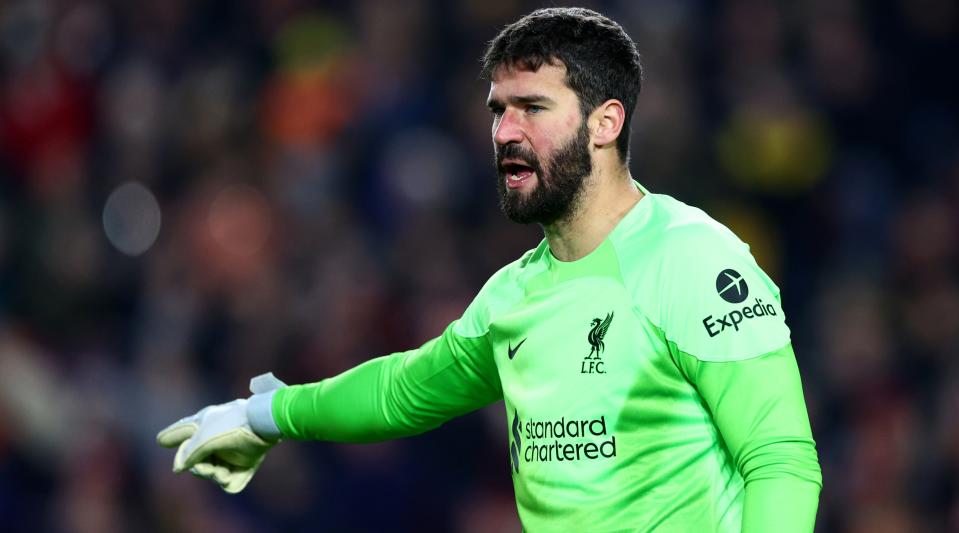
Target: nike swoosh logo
{"points": [[512, 351]]}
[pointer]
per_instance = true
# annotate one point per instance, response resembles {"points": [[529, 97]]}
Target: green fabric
{"points": [[393, 396], [673, 256], [758, 407], [644, 388]]}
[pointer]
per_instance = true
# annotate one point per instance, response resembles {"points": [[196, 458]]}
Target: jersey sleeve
{"points": [[410, 392], [758, 407], [716, 304], [725, 327], [397, 395]]}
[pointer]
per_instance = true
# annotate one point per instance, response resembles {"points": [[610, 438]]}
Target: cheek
{"points": [[544, 147], [548, 138], [544, 141]]}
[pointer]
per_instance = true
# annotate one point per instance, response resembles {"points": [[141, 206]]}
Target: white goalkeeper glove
{"points": [[226, 443]]}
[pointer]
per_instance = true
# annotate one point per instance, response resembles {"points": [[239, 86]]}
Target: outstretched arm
{"points": [[393, 396]]}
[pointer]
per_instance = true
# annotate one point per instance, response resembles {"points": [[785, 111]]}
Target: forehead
{"points": [[548, 80]]}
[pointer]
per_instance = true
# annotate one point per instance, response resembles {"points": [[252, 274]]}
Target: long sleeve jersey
{"points": [[650, 385]]}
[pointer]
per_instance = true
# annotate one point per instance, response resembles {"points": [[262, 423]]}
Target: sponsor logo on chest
{"points": [[559, 440]]}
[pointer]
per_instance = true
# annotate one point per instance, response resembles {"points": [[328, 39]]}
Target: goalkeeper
{"points": [[643, 357]]}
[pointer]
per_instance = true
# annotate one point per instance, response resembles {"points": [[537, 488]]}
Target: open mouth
{"points": [[517, 174]]}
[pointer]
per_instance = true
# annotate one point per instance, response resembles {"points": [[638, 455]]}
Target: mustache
{"points": [[515, 151]]}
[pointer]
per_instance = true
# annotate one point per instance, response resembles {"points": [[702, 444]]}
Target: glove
{"points": [[218, 442]]}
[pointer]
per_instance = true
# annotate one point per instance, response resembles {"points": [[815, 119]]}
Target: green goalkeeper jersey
{"points": [[650, 385]]}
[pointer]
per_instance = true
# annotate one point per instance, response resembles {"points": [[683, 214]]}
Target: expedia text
{"points": [[732, 320]]}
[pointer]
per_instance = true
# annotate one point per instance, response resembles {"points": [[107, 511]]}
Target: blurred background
{"points": [[194, 192]]}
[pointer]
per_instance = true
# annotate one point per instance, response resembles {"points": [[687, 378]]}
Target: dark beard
{"points": [[558, 190]]}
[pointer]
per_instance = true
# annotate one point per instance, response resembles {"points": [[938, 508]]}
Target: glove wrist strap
{"points": [[259, 411]]}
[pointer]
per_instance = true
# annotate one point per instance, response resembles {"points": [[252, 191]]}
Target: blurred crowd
{"points": [[195, 192]]}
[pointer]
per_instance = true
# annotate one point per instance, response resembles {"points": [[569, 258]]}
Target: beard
{"points": [[558, 190]]}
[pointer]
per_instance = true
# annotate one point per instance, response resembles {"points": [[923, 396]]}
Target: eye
{"points": [[496, 111], [533, 109]]}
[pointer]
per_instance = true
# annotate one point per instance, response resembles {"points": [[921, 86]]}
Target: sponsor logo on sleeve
{"points": [[732, 287]]}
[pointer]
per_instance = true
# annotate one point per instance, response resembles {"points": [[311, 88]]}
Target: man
{"points": [[643, 357]]}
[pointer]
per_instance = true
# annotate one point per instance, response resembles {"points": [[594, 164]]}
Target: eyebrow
{"points": [[525, 99]]}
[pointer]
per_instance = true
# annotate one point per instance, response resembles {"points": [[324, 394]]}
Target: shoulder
{"points": [[694, 278], [672, 230], [500, 292], [668, 242]]}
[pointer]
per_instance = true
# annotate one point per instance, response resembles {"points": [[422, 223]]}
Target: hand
{"points": [[217, 443]]}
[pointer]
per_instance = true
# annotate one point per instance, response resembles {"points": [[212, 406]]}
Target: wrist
{"points": [[259, 411]]}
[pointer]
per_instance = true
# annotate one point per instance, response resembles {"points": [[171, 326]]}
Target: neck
{"points": [[606, 200]]}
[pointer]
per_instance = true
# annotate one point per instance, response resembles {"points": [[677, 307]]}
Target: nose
{"points": [[507, 128]]}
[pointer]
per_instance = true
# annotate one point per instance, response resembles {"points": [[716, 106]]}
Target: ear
{"points": [[607, 122]]}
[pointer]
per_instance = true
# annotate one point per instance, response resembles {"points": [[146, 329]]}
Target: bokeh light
{"points": [[239, 220], [131, 218]]}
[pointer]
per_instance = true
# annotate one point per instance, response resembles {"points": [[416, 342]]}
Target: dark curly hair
{"points": [[601, 60]]}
